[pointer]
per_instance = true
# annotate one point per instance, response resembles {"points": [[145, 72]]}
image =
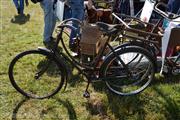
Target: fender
{"points": [[123, 46], [126, 44], [138, 43], [143, 45], [44, 49]]}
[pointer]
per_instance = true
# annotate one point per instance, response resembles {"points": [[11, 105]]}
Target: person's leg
{"points": [[49, 19], [16, 3], [175, 6], [125, 7], [17, 6], [21, 6], [67, 12], [78, 14]]}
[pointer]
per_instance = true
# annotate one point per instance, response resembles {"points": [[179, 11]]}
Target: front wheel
{"points": [[36, 74], [129, 70]]}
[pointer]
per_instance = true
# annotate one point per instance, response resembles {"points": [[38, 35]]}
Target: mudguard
{"points": [[126, 45]]}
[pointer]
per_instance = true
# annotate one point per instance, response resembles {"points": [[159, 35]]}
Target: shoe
{"points": [[50, 44], [73, 47], [74, 54], [52, 38], [74, 51]]}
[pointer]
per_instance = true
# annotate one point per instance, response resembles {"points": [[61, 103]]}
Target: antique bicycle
{"points": [[41, 73]]}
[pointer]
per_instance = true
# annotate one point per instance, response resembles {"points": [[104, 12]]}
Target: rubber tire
{"points": [[49, 55], [126, 49]]}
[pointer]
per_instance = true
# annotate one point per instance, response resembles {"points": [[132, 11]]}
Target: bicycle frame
{"points": [[91, 67]]}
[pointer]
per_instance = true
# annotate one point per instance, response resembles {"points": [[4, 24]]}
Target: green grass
{"points": [[160, 101]]}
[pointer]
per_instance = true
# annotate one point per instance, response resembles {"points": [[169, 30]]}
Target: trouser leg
{"points": [[21, 6], [49, 19], [78, 14]]}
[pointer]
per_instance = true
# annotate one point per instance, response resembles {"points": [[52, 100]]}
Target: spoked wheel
{"points": [[36, 74], [130, 71]]}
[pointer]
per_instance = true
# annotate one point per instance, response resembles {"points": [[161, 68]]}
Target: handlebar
{"points": [[170, 16], [65, 24], [62, 26], [71, 20]]}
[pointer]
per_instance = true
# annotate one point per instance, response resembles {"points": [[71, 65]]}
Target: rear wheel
{"points": [[128, 72], [36, 74]]}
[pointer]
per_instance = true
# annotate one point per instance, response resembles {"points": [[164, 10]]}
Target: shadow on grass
{"points": [[17, 107], [75, 79], [52, 69], [70, 108], [172, 108], [125, 107], [122, 107], [171, 79], [44, 112], [48, 67], [20, 19]]}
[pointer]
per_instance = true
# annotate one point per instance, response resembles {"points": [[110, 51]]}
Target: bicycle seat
{"points": [[109, 28]]}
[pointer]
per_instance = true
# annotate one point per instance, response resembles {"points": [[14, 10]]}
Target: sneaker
{"points": [[50, 44], [74, 54], [74, 45]]}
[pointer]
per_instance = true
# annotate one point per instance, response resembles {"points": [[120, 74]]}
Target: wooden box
{"points": [[90, 43], [174, 39]]}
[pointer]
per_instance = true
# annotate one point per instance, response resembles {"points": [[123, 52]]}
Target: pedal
{"points": [[36, 77], [86, 94]]}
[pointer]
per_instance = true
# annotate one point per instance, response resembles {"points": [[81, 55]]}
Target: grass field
{"points": [[160, 101]]}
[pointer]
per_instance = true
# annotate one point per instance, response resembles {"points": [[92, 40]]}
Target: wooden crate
{"points": [[174, 39], [90, 43]]}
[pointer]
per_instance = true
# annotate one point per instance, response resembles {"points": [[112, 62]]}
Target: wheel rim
{"points": [[26, 80], [141, 74]]}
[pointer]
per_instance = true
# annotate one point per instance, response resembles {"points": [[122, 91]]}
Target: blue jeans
{"points": [[49, 19], [124, 7], [174, 6], [78, 14], [77, 11], [19, 5], [67, 12]]}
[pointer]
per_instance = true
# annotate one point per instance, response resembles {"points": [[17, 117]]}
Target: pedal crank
{"points": [[86, 93]]}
